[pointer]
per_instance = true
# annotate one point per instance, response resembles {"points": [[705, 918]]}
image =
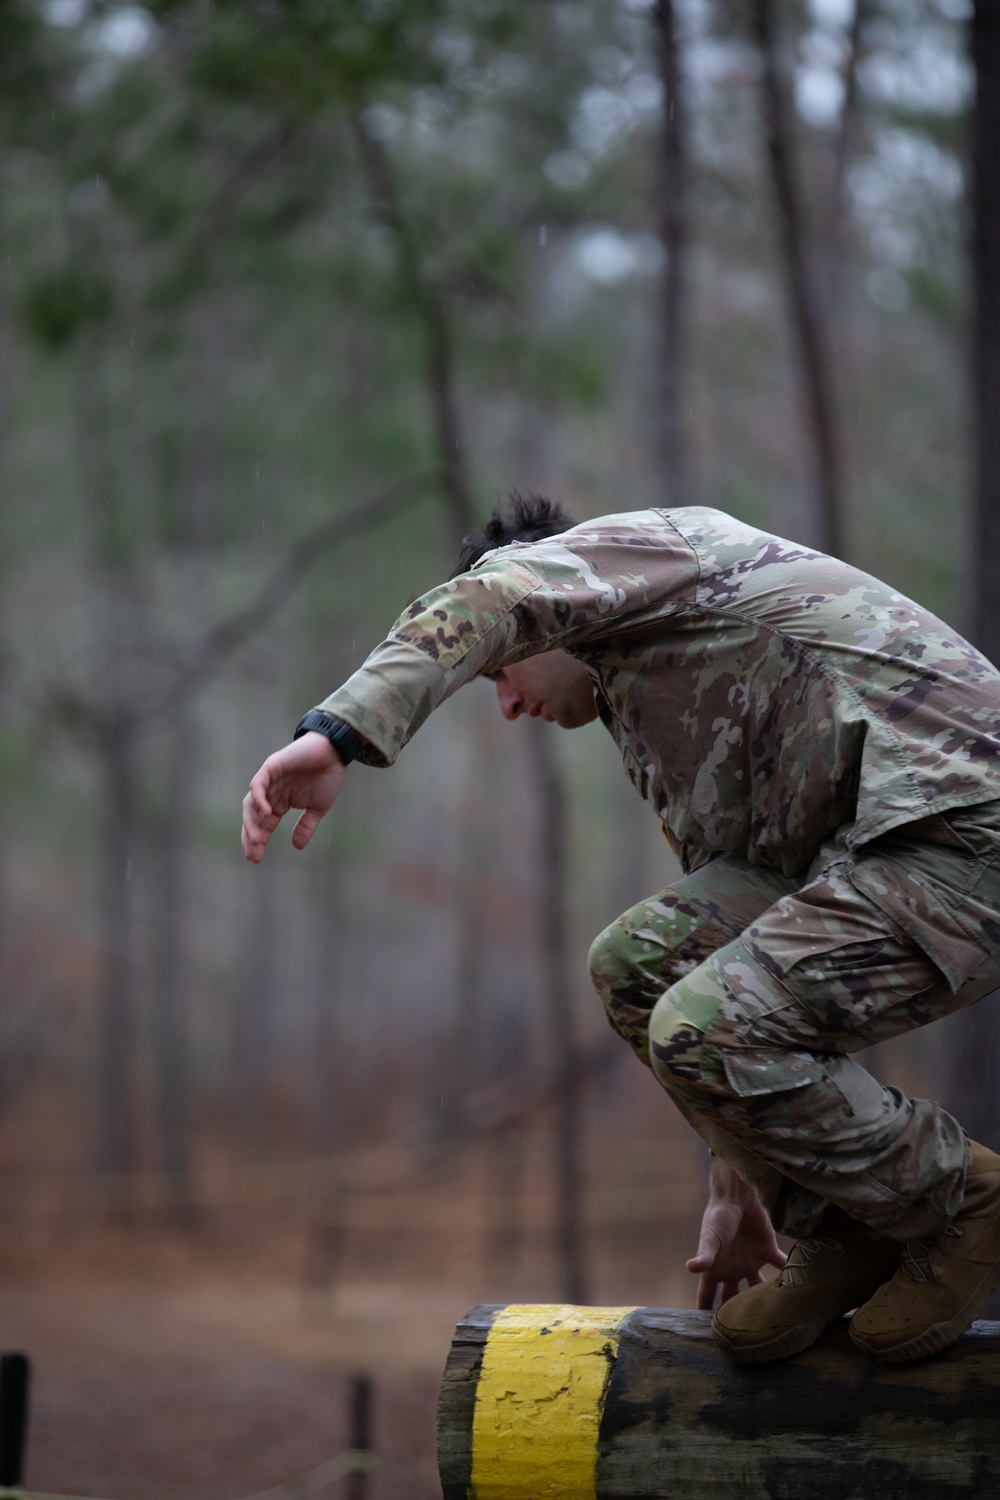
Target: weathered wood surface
{"points": [[675, 1416]]}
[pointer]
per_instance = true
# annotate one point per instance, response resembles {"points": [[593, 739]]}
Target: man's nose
{"points": [[511, 701]]}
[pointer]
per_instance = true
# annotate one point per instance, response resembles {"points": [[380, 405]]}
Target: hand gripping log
{"points": [[598, 1403]]}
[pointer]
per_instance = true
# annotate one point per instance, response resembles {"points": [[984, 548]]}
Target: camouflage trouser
{"points": [[745, 992]]}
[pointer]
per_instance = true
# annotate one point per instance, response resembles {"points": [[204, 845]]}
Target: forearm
{"points": [[725, 1185], [388, 698]]}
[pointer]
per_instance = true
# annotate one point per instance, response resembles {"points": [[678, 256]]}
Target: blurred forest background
{"points": [[291, 293]]}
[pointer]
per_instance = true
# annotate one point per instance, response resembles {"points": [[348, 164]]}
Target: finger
{"points": [[247, 838], [699, 1263], [250, 833], [254, 846], [729, 1289], [257, 816], [755, 1280], [256, 831], [709, 1243], [306, 827], [706, 1294], [260, 803], [776, 1257], [258, 793]]}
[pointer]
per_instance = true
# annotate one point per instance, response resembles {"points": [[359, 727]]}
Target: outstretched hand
{"points": [[306, 774], [736, 1239]]}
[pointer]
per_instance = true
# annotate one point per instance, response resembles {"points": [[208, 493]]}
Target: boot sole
{"points": [[940, 1335], [792, 1341]]}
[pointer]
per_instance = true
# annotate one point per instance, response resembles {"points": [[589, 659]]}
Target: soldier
{"points": [[824, 756]]}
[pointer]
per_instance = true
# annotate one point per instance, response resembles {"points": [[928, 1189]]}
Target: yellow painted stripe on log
{"points": [[539, 1401]]}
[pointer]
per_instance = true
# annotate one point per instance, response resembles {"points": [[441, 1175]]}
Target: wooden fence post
{"points": [[361, 1434], [14, 1382]]}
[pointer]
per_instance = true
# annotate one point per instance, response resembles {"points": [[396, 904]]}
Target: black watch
{"points": [[345, 740]]}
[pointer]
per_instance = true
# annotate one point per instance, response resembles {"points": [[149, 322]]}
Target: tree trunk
{"points": [[201, 491], [554, 942], [970, 1056], [674, 236], [200, 494], [114, 726], [325, 1227], [252, 1020], [171, 1069], [327, 1063], [844, 149], [811, 336], [505, 1164], [93, 447], [6, 397], [117, 1104], [433, 314], [985, 46]]}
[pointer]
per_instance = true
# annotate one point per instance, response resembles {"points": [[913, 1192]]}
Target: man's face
{"points": [[553, 686]]}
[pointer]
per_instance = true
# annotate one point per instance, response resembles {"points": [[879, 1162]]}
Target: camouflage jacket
{"points": [[761, 694]]}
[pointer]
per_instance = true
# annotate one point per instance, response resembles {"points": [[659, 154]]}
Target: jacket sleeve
{"points": [[515, 603]]}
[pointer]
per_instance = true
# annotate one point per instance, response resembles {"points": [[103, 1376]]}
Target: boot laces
{"points": [[802, 1252], [916, 1260]]}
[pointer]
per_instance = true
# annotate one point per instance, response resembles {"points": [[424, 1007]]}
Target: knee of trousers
{"points": [[611, 960], [628, 970], [683, 1057]]}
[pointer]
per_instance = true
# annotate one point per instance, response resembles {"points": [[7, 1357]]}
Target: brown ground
{"points": [[211, 1387], [215, 1364]]}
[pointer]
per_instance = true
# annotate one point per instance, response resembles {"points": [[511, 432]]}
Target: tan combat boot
{"points": [[943, 1282], [827, 1274]]}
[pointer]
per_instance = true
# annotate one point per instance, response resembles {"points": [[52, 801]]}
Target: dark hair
{"points": [[525, 518]]}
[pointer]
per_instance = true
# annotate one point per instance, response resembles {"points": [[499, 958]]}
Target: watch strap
{"points": [[344, 739]]}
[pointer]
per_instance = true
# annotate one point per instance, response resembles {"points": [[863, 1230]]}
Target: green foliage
{"points": [[58, 302], [227, 145], [936, 294], [22, 61], [569, 366], [947, 128], [303, 57], [162, 191]]}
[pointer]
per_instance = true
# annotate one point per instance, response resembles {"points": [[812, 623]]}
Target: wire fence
{"points": [[352, 1467], [379, 1168], [349, 1464]]}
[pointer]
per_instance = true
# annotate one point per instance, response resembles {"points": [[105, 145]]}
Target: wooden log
{"points": [[583, 1403]]}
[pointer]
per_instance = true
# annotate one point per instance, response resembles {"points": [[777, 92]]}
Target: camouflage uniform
{"points": [[822, 753]]}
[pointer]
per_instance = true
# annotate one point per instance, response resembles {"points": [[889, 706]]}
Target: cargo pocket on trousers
{"points": [[910, 900], [767, 1093], [769, 1070]]}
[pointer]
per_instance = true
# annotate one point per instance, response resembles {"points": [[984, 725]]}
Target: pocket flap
{"points": [[769, 1070], [909, 898]]}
